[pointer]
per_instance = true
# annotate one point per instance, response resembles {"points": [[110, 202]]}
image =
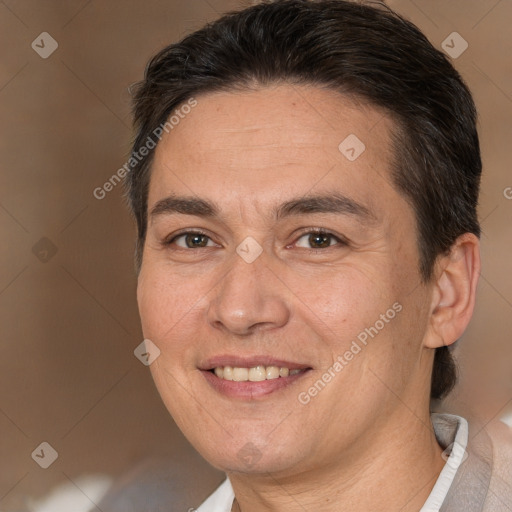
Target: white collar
{"points": [[447, 425]]}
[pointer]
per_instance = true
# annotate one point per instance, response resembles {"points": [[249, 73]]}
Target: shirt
{"points": [[448, 492]]}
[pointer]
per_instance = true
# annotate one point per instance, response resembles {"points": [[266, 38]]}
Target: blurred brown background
{"points": [[68, 316]]}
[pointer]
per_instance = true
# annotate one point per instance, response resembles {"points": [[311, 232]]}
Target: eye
{"points": [[191, 240], [318, 239], [314, 239]]}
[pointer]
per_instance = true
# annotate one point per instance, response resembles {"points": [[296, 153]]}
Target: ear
{"points": [[454, 291]]}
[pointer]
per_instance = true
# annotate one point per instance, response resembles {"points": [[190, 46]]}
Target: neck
{"points": [[396, 470]]}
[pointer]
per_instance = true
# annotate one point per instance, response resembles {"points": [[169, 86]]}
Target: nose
{"points": [[249, 298]]}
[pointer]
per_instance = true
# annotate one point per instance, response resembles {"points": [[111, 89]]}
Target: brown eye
{"points": [[195, 240], [191, 240], [317, 240]]}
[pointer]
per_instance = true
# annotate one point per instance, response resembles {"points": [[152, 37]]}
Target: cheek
{"points": [[363, 317], [339, 315], [167, 304], [346, 300]]}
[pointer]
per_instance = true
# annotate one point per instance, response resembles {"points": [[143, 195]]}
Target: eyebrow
{"points": [[328, 203]]}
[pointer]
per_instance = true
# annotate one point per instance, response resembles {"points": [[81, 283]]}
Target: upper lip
{"points": [[250, 362]]}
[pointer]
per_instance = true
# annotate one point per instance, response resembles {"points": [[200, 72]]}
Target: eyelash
{"points": [[308, 231]]}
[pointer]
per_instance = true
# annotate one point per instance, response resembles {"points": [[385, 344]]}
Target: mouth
{"points": [[250, 379]]}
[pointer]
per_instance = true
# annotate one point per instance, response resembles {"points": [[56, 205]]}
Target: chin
{"points": [[248, 458]]}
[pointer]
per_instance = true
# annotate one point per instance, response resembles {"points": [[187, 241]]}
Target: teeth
{"points": [[254, 374], [227, 373], [257, 374], [240, 374], [272, 372]]}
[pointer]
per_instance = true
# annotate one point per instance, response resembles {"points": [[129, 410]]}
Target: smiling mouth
{"points": [[255, 373], [253, 381]]}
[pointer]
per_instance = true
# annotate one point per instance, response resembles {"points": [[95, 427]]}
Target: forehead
{"points": [[274, 141]]}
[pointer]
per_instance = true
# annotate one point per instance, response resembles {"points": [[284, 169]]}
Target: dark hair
{"points": [[365, 51]]}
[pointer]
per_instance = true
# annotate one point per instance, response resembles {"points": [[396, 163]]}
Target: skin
{"points": [[365, 441]]}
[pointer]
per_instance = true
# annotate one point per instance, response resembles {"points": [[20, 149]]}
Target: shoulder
{"points": [[500, 487]]}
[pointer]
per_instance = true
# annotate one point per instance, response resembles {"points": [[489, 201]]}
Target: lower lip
{"points": [[250, 389]]}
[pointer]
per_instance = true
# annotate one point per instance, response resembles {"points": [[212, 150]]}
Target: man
{"points": [[305, 181]]}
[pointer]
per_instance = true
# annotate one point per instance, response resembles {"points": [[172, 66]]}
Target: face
{"points": [[273, 250]]}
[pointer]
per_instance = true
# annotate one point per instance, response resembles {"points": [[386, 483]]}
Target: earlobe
{"points": [[454, 291]]}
